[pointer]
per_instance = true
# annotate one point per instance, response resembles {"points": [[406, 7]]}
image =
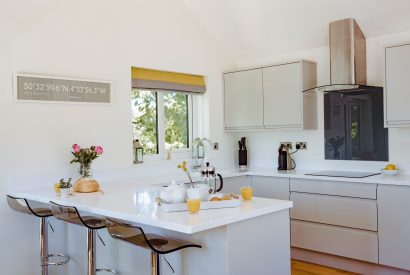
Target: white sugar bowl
{"points": [[174, 193]]}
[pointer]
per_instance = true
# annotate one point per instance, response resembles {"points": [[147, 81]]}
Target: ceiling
{"points": [[258, 28]]}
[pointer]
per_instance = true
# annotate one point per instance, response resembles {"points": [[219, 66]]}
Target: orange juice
{"points": [[247, 193], [194, 205]]}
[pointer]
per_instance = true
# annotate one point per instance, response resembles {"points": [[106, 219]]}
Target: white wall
{"points": [[95, 40], [262, 147]]}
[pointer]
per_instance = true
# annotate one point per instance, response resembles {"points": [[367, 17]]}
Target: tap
{"points": [[199, 154]]}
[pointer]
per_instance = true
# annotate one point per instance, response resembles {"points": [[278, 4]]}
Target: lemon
{"points": [[57, 187], [390, 167]]}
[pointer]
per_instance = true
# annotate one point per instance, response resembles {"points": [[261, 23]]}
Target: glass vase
{"points": [[85, 170]]}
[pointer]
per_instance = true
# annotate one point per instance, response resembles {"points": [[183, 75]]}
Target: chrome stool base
{"points": [[91, 245], [71, 215], [22, 205], [107, 270], [155, 263], [65, 259], [158, 245], [44, 256]]}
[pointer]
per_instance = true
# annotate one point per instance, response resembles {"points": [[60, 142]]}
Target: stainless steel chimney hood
{"points": [[347, 58]]}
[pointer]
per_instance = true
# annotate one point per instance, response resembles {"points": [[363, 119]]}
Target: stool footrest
{"points": [[65, 259], [107, 270]]}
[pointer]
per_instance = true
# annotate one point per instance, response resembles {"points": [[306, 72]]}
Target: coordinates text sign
{"points": [[44, 88]]}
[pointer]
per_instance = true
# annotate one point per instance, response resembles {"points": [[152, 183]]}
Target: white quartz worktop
{"points": [[300, 174], [133, 201]]}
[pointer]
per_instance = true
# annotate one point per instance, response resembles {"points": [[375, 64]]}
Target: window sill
{"points": [[177, 156]]}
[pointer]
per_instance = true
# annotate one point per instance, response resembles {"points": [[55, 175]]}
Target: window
{"points": [[145, 119], [163, 119]]}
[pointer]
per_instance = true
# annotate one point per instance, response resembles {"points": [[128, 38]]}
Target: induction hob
{"points": [[343, 174]]}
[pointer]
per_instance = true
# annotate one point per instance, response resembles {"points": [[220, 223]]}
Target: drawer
{"points": [[346, 242], [271, 187], [333, 210], [339, 188]]}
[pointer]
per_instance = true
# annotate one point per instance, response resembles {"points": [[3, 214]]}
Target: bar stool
{"points": [[22, 205], [159, 245], [70, 214]]}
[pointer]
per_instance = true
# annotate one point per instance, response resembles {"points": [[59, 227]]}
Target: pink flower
{"points": [[99, 150], [76, 148]]}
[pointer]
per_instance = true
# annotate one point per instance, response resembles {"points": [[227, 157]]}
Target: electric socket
{"points": [[301, 145], [216, 146], [287, 144]]}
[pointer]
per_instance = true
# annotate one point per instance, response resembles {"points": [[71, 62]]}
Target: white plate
{"points": [[390, 172]]}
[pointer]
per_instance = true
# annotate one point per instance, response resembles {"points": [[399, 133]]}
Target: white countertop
{"points": [[133, 201], [300, 174]]}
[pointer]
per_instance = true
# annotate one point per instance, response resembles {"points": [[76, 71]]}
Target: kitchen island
{"points": [[254, 237]]}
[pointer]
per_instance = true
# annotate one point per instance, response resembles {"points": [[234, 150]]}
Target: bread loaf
{"points": [[86, 185]]}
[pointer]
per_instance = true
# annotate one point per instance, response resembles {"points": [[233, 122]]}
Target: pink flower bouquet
{"points": [[85, 156]]}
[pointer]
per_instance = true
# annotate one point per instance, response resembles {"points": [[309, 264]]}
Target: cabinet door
{"points": [[336, 188], [334, 210], [233, 185], [394, 225], [341, 241], [282, 96], [270, 187], [243, 99], [397, 84]]}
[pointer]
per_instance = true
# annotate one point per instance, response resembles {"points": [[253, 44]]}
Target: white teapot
{"points": [[174, 193]]}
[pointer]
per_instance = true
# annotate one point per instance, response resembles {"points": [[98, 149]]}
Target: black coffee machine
{"points": [[285, 161]]}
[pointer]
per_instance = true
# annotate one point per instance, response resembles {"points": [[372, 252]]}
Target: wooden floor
{"points": [[304, 268]]}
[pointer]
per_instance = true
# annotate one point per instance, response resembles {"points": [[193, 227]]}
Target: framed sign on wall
{"points": [[30, 87]]}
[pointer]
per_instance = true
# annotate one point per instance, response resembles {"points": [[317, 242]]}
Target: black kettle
{"points": [[285, 161]]}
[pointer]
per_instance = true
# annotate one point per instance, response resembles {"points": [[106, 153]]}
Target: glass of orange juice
{"points": [[194, 199], [246, 193], [193, 205]]}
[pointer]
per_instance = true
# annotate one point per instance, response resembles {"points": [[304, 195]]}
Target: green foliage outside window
{"points": [[145, 119], [176, 120]]}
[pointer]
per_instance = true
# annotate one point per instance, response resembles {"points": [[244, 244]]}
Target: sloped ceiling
{"points": [[257, 28]]}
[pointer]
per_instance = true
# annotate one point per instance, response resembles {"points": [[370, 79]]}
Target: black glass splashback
{"points": [[354, 125]]}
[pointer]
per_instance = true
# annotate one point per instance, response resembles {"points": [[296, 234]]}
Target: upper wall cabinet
{"points": [[243, 100], [284, 105], [276, 101], [397, 86]]}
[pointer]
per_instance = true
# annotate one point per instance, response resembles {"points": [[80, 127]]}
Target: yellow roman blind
{"points": [[161, 80]]}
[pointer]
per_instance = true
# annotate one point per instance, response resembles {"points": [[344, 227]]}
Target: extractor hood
{"points": [[347, 45]]}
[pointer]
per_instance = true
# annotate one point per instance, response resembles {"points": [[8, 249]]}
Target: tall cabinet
{"points": [[397, 86], [271, 97], [394, 225]]}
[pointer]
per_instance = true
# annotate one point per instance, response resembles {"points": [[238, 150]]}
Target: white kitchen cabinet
{"points": [[335, 240], [243, 99], [271, 97], [336, 188], [335, 210], [397, 86], [234, 184], [270, 187], [335, 217], [394, 225], [284, 103]]}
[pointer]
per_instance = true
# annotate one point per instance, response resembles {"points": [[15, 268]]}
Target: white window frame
{"points": [[195, 124]]}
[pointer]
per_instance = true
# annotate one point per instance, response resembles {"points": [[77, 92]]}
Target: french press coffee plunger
{"points": [[209, 177]]}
